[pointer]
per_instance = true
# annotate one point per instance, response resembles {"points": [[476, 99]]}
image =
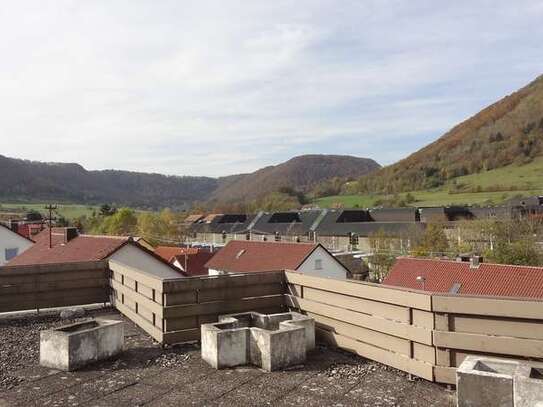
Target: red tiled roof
{"points": [[195, 262], [260, 256], [196, 258], [30, 229], [167, 252], [488, 279], [80, 249]]}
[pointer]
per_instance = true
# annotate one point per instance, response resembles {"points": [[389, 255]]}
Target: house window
{"points": [[318, 264], [11, 253]]}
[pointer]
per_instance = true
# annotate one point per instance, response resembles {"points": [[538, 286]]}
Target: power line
{"points": [[51, 208]]}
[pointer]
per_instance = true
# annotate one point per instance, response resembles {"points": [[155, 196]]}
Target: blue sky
{"points": [[222, 87]]}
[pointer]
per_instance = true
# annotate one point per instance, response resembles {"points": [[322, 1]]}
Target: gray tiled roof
{"points": [[330, 227], [295, 223], [224, 223]]}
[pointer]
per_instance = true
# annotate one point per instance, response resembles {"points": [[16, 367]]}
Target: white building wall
{"points": [[330, 267], [212, 272], [138, 259], [11, 240]]}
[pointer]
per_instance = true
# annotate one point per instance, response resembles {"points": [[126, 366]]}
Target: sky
{"points": [[221, 87]]}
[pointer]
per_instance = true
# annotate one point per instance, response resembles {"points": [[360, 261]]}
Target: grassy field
{"points": [[493, 187], [69, 211]]}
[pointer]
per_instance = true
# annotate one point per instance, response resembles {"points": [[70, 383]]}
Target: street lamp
{"points": [[423, 280]]}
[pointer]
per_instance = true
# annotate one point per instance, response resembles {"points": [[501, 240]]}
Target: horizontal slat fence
{"points": [[425, 334], [172, 310], [390, 326], [190, 302], [494, 326], [53, 285], [138, 296]]}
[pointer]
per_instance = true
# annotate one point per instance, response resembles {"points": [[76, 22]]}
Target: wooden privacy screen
{"points": [[172, 310], [484, 325], [55, 285], [390, 326], [425, 334]]}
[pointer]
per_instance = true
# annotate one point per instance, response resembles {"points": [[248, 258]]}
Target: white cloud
{"points": [[214, 88]]}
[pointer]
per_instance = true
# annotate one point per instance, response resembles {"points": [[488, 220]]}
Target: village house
{"points": [[351, 229], [189, 260], [218, 229], [250, 256], [12, 244], [66, 245], [467, 277]]}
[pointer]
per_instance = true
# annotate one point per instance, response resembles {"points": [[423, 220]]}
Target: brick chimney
{"points": [[14, 225], [70, 233]]}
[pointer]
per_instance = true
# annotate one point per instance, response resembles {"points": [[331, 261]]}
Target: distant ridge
{"points": [[301, 173], [34, 181]]}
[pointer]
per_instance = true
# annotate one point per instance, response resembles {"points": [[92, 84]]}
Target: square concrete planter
{"points": [[482, 381], [272, 341], [528, 385], [73, 346]]}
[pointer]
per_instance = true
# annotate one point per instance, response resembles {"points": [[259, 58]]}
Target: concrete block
{"points": [[528, 385], [482, 381], [76, 345], [271, 341]]}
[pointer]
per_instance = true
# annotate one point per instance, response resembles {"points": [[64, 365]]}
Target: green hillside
{"points": [[68, 211], [488, 187], [509, 131]]}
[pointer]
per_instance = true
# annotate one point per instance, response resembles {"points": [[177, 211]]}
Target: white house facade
{"points": [[11, 244], [322, 264]]}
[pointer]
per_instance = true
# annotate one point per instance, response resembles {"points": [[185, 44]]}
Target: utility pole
{"points": [[51, 208]]}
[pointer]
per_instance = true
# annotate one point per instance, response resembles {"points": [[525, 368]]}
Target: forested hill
{"points": [[32, 181], [300, 173], [509, 131], [37, 181]]}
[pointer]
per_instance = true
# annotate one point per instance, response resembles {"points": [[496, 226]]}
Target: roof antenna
{"points": [[51, 208]]}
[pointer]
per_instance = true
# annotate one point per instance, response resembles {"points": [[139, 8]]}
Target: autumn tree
{"points": [[432, 242]]}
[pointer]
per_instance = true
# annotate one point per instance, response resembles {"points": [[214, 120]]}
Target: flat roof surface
{"points": [[147, 375]]}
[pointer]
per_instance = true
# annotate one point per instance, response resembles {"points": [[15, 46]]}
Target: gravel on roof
{"points": [[147, 374]]}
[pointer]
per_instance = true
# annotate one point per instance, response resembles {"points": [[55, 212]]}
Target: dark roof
{"points": [[329, 226], [394, 214], [193, 218], [232, 223], [491, 212], [525, 201], [294, 223], [240, 256], [448, 276]]}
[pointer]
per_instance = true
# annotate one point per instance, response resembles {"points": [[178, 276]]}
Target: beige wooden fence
{"points": [[484, 325], [388, 325], [425, 334], [172, 310], [54, 285]]}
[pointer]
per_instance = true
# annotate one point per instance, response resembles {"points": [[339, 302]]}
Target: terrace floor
{"points": [[147, 375]]}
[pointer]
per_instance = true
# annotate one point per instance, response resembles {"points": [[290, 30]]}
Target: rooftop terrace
{"points": [[146, 374]]}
